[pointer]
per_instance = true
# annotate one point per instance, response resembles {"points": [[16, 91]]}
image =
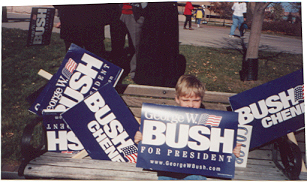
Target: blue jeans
{"points": [[198, 20], [236, 22], [189, 177]]}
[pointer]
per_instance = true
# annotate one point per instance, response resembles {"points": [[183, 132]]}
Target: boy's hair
{"points": [[187, 84]]}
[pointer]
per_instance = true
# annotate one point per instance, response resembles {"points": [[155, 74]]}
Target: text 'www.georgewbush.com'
{"points": [[185, 165]]}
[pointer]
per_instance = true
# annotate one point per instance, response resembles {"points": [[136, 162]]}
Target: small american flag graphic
{"points": [[69, 68], [206, 119], [299, 93], [131, 153]]}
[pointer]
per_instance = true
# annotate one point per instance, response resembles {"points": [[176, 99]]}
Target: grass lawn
{"points": [[217, 68]]}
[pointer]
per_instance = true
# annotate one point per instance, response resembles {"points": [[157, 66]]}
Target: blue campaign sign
{"points": [[105, 126], [188, 140], [40, 27], [273, 109], [81, 74], [60, 138]]}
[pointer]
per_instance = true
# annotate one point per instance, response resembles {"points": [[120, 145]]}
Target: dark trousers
{"points": [[188, 19]]}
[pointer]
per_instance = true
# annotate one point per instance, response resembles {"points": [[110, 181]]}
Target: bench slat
{"points": [[303, 176], [164, 92], [144, 90], [138, 101], [260, 155], [79, 172], [259, 170], [300, 135], [64, 167], [216, 106], [265, 174]]}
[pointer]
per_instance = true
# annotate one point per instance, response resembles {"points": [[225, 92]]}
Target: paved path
{"points": [[213, 36], [210, 36]]}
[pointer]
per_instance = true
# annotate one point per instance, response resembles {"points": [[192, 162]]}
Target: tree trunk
{"points": [[250, 12], [256, 27]]}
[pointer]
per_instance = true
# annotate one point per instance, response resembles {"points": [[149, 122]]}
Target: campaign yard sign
{"points": [[81, 74], [41, 24], [188, 140], [60, 138], [105, 126], [243, 137], [272, 109]]}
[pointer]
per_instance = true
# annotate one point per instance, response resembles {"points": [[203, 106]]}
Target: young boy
{"points": [[199, 14], [189, 93]]}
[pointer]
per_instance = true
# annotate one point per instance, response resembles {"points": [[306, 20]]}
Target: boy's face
{"points": [[189, 101]]}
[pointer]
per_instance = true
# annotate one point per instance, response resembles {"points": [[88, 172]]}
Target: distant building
{"points": [[209, 15]]}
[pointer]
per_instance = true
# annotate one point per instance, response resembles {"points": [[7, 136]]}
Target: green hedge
{"points": [[284, 27]]}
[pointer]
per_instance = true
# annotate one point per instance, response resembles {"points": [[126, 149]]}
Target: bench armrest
{"points": [[28, 151], [289, 154]]}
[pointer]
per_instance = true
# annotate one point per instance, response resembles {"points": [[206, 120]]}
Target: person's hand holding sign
{"points": [[237, 149], [137, 137]]}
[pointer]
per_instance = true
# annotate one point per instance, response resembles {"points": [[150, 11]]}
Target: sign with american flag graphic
{"points": [[272, 109], [131, 153], [69, 68], [105, 126], [188, 140], [211, 120], [81, 74], [299, 93]]}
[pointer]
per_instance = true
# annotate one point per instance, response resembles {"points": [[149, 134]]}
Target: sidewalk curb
{"points": [[10, 175], [10, 171]]}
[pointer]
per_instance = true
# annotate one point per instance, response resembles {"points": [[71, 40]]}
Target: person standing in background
{"points": [[199, 15], [188, 15], [83, 25], [133, 17], [239, 10]]}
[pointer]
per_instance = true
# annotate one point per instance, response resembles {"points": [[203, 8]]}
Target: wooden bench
{"points": [[38, 163]]}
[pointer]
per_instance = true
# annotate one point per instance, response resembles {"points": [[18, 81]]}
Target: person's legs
{"points": [[188, 177], [198, 22], [195, 177], [240, 22], [189, 20], [235, 22], [134, 29], [166, 178], [186, 21]]}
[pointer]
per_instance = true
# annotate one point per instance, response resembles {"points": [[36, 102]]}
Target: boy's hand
{"points": [[237, 149], [138, 137]]}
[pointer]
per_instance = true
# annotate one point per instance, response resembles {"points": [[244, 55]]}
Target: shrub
{"points": [[284, 27]]}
